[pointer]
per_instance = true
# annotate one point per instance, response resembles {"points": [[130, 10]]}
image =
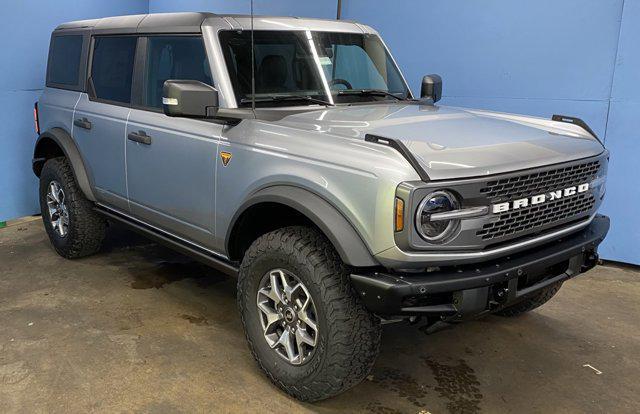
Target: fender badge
{"points": [[225, 157]]}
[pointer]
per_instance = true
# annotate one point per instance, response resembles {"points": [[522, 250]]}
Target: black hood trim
{"points": [[403, 150]]}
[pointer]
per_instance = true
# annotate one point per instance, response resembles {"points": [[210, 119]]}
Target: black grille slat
{"points": [[536, 217], [540, 182], [531, 218]]}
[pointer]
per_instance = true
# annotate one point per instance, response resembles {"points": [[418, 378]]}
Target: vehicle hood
{"points": [[454, 142]]}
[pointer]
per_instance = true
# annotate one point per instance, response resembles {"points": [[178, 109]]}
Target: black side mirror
{"points": [[189, 98], [431, 88]]}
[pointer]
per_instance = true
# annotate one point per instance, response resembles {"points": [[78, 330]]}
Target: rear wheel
{"points": [[74, 228], [305, 326], [531, 303]]}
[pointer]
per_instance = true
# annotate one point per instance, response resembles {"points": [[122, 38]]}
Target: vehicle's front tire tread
{"points": [[354, 334], [86, 227]]}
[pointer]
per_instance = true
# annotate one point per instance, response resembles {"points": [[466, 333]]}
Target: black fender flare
{"points": [[346, 240], [70, 150]]}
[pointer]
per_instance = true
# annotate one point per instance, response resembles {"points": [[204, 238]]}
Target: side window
{"points": [[173, 57], [112, 67], [64, 61]]}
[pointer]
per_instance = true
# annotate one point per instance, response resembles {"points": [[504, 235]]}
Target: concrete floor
{"points": [[138, 328]]}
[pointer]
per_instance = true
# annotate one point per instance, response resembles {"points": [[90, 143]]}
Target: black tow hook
{"points": [[590, 261], [501, 295]]}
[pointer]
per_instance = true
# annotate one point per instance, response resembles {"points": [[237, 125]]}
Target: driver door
{"points": [[171, 162]]}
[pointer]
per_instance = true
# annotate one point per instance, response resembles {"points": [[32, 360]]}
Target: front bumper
{"points": [[459, 292]]}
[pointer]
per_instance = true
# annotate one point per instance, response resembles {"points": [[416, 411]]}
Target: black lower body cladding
{"points": [[461, 292]]}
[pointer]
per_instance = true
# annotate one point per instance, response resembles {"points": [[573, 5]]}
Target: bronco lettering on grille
{"points": [[539, 198]]}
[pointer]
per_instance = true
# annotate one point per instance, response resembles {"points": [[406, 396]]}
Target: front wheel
{"points": [[305, 326]]}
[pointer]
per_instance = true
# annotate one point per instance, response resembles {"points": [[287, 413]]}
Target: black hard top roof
{"points": [[189, 22], [142, 23]]}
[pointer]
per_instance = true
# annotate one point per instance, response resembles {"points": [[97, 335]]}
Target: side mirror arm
{"points": [[231, 116]]}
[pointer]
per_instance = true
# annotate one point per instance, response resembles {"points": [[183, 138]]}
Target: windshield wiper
{"points": [[368, 92], [280, 98]]}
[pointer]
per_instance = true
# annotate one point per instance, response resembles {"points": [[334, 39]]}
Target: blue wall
{"points": [[535, 57], [24, 43], [325, 9], [623, 140], [576, 57]]}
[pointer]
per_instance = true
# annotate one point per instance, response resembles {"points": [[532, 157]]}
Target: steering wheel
{"points": [[341, 82]]}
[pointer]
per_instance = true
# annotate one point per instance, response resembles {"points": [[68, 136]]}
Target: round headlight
{"points": [[436, 202]]}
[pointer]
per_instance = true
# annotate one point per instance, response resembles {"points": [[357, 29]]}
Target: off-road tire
{"points": [[86, 228], [531, 303], [349, 335]]}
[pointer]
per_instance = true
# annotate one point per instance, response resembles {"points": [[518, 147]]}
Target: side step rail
{"points": [[174, 243]]}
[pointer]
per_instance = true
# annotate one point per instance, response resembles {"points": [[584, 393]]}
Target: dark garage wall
{"points": [[576, 57]]}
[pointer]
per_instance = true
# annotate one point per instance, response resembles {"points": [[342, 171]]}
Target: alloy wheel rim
{"points": [[58, 212], [288, 316]]}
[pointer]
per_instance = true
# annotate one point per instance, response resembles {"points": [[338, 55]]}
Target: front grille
{"points": [[539, 216], [540, 182], [533, 217]]}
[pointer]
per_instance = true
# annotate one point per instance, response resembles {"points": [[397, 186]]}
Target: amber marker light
{"points": [[36, 122], [399, 214]]}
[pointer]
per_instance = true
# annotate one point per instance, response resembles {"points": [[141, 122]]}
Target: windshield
{"points": [[303, 67]]}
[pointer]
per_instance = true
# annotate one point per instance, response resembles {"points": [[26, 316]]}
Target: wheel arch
{"points": [[298, 206], [57, 142]]}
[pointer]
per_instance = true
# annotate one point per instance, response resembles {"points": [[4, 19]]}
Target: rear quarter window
{"points": [[64, 61], [112, 67]]}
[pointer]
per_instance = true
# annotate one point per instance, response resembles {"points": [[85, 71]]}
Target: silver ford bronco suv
{"points": [[291, 152]]}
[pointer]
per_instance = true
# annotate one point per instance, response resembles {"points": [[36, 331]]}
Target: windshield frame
{"points": [[326, 93]]}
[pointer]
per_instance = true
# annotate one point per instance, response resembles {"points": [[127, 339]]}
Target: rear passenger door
{"points": [[171, 176], [101, 115]]}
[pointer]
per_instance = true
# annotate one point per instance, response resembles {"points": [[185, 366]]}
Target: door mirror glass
{"points": [[189, 98], [431, 88]]}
